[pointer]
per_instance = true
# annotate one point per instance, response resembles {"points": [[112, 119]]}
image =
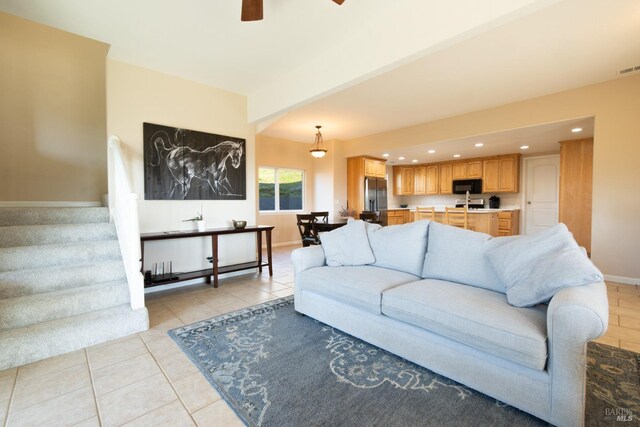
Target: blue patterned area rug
{"points": [[276, 367]]}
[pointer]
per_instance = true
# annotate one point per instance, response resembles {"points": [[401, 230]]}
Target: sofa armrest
{"points": [[575, 316], [306, 258]]}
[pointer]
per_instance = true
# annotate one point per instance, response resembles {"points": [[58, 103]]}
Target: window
{"points": [[280, 189]]}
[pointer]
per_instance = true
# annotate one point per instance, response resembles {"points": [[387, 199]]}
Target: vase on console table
{"points": [[201, 224]]}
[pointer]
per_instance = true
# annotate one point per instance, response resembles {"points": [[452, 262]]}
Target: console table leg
{"points": [[269, 258], [259, 243], [214, 258]]}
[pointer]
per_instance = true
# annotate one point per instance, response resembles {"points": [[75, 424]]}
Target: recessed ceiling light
{"points": [[576, 130], [414, 161], [385, 155], [478, 144], [524, 147], [456, 155], [400, 158], [431, 151]]}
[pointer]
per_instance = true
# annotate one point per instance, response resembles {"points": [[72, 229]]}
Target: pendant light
{"points": [[318, 149]]}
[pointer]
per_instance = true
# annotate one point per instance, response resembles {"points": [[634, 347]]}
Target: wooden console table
{"points": [[216, 269]]}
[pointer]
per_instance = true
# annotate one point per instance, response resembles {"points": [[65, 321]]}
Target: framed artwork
{"points": [[183, 164]]}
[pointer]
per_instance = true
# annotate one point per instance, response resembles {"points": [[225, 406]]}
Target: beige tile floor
{"points": [[145, 380]]}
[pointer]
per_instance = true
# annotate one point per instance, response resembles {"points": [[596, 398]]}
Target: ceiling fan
{"points": [[252, 9]]}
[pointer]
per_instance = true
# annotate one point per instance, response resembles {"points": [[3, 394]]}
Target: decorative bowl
{"points": [[239, 224], [404, 206]]}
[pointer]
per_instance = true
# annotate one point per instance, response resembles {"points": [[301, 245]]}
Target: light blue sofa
{"points": [[533, 358]]}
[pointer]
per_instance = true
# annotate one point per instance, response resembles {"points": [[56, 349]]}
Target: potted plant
{"points": [[201, 223]]}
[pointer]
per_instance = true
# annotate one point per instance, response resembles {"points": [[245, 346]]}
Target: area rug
{"points": [[275, 367]]}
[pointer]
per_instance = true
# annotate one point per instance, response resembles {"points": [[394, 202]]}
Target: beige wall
{"points": [[136, 95], [616, 107], [52, 114], [281, 153]]}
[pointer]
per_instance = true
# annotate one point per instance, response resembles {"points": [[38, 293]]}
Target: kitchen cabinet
{"points": [[474, 169], [509, 223], [403, 180], [467, 170], [576, 178], [445, 183], [358, 168], [398, 216], [501, 174], [459, 170], [375, 168], [432, 179], [420, 180]]}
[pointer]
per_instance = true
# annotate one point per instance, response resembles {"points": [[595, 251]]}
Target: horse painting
{"points": [[185, 164]]}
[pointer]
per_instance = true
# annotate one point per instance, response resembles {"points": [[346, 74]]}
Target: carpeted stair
{"points": [[62, 283]]}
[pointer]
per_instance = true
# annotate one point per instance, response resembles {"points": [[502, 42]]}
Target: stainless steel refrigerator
{"points": [[375, 197]]}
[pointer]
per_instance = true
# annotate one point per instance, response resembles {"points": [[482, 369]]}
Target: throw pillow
{"points": [[399, 247], [533, 268], [458, 255], [347, 245]]}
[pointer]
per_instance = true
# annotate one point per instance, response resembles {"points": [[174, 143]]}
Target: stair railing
{"points": [[123, 210]]}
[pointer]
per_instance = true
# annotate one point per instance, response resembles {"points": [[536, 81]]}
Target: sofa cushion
{"points": [[477, 317], [359, 286], [533, 268], [458, 255], [347, 245], [399, 247]]}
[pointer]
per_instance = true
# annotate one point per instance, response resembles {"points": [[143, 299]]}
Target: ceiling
{"points": [[367, 66]]}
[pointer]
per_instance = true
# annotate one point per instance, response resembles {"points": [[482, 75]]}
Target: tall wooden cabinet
{"points": [[358, 168], [576, 180]]}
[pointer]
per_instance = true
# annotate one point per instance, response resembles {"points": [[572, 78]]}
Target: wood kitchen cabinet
{"points": [[358, 168], [420, 180], [459, 170], [474, 169], [446, 186], [403, 180], [433, 179], [375, 168], [398, 216], [576, 178], [501, 174], [467, 170], [509, 223]]}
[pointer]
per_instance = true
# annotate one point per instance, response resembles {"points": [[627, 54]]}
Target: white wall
{"points": [[136, 95]]}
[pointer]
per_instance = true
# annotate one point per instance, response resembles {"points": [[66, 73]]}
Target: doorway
{"points": [[542, 184]]}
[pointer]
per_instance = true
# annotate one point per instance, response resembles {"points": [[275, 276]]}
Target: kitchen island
{"points": [[496, 222]]}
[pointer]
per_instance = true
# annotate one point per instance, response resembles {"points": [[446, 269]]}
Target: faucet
{"points": [[467, 199]]}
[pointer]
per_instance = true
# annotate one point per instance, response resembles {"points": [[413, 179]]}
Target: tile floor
{"points": [[145, 380]]}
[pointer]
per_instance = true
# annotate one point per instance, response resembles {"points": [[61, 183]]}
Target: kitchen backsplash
{"points": [[507, 200]]}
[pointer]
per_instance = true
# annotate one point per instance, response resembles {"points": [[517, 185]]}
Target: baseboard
{"points": [[48, 204], [622, 279], [277, 245]]}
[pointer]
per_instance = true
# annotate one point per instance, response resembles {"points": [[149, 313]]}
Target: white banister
{"points": [[123, 209]]}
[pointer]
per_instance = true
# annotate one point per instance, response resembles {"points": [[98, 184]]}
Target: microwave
{"points": [[473, 186]]}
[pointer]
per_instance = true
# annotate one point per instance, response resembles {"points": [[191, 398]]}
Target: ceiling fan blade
{"points": [[338, 1], [251, 10]]}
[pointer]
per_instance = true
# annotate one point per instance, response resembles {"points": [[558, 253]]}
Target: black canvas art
{"points": [[182, 164]]}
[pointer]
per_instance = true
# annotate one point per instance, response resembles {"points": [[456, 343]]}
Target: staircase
{"points": [[62, 283]]}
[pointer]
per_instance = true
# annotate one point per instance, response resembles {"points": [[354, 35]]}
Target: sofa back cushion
{"points": [[399, 247], [535, 267], [347, 245], [459, 255]]}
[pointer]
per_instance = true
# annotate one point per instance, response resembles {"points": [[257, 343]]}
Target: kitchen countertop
{"points": [[471, 211]]}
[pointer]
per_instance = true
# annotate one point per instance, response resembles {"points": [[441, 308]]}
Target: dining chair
{"points": [[321, 216], [307, 228], [369, 217], [458, 217], [423, 212]]}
